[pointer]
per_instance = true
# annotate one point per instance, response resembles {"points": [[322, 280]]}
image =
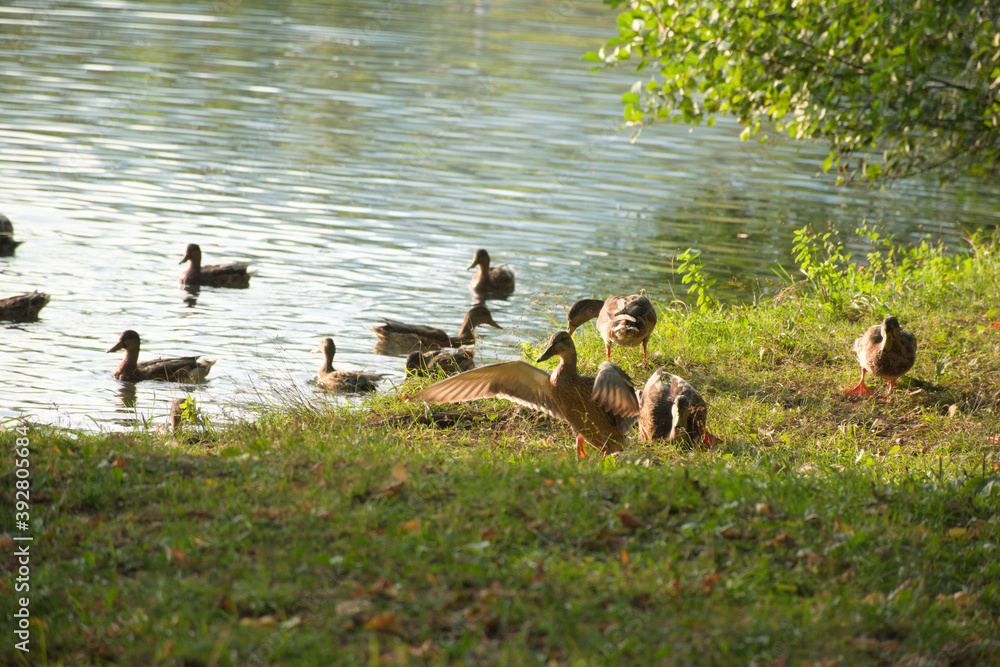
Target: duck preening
{"points": [[176, 369], [627, 321], [600, 408], [671, 409]]}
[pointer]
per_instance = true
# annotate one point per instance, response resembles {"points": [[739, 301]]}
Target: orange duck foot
{"points": [[710, 439], [858, 390], [581, 447]]}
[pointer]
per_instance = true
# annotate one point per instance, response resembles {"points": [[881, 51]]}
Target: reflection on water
{"points": [[356, 153]]}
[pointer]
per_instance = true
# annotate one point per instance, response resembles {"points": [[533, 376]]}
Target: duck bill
{"points": [[118, 346], [888, 340], [547, 354], [475, 262], [187, 257]]}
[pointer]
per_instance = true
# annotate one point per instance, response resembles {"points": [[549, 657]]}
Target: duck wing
{"points": [[516, 381], [614, 391]]}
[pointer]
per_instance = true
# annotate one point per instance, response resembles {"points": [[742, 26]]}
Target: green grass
{"points": [[823, 530]]}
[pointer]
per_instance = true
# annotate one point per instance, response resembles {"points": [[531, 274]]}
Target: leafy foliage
{"points": [[909, 87], [693, 273]]}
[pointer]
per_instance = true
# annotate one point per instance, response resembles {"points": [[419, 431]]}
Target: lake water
{"points": [[357, 153]]}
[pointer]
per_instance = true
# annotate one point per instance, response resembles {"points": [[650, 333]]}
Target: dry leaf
{"points": [[709, 582], [383, 623], [625, 558], [399, 473], [841, 527], [539, 572], [176, 555], [956, 532], [352, 607], [411, 525], [629, 521], [317, 467]]}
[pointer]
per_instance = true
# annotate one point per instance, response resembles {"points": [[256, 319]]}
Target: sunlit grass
{"points": [[822, 529]]}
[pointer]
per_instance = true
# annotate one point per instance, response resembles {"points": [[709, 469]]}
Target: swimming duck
{"points": [[497, 280], [599, 408], [23, 307], [623, 320], [451, 361], [7, 242], [885, 351], [213, 275], [177, 369], [345, 381], [400, 336], [670, 408]]}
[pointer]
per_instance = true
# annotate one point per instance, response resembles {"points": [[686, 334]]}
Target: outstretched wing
{"points": [[514, 380], [613, 391]]}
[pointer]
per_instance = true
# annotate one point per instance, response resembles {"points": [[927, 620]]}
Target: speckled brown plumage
{"points": [[342, 381], [451, 361], [394, 336], [491, 279], [670, 408], [627, 321], [885, 351], [176, 369]]}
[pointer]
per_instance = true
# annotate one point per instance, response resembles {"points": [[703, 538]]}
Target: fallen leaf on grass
{"points": [[709, 582], [625, 558], [293, 622], [176, 555], [539, 572], [842, 527], [399, 473], [352, 607], [265, 621], [383, 623], [955, 533], [411, 526], [317, 467], [629, 521]]}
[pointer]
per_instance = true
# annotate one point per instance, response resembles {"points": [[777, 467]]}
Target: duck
{"points": [[23, 307], [7, 242], [451, 361], [176, 369], [395, 335], [623, 320], [600, 408], [214, 275], [670, 408], [342, 381], [487, 279], [885, 351]]}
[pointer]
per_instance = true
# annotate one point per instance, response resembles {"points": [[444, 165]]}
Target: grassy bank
{"points": [[823, 530]]}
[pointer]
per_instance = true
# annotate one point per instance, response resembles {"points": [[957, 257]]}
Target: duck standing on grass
{"points": [[176, 369], [491, 280], [23, 307], [885, 351], [623, 320], [599, 408], [214, 275], [400, 336], [344, 381], [670, 408]]}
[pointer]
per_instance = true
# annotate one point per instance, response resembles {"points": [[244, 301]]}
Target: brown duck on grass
{"points": [[23, 307], [623, 320], [214, 275], [342, 381], [599, 408], [7, 242], [885, 351], [451, 361], [671, 409], [398, 336], [491, 280], [176, 369]]}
